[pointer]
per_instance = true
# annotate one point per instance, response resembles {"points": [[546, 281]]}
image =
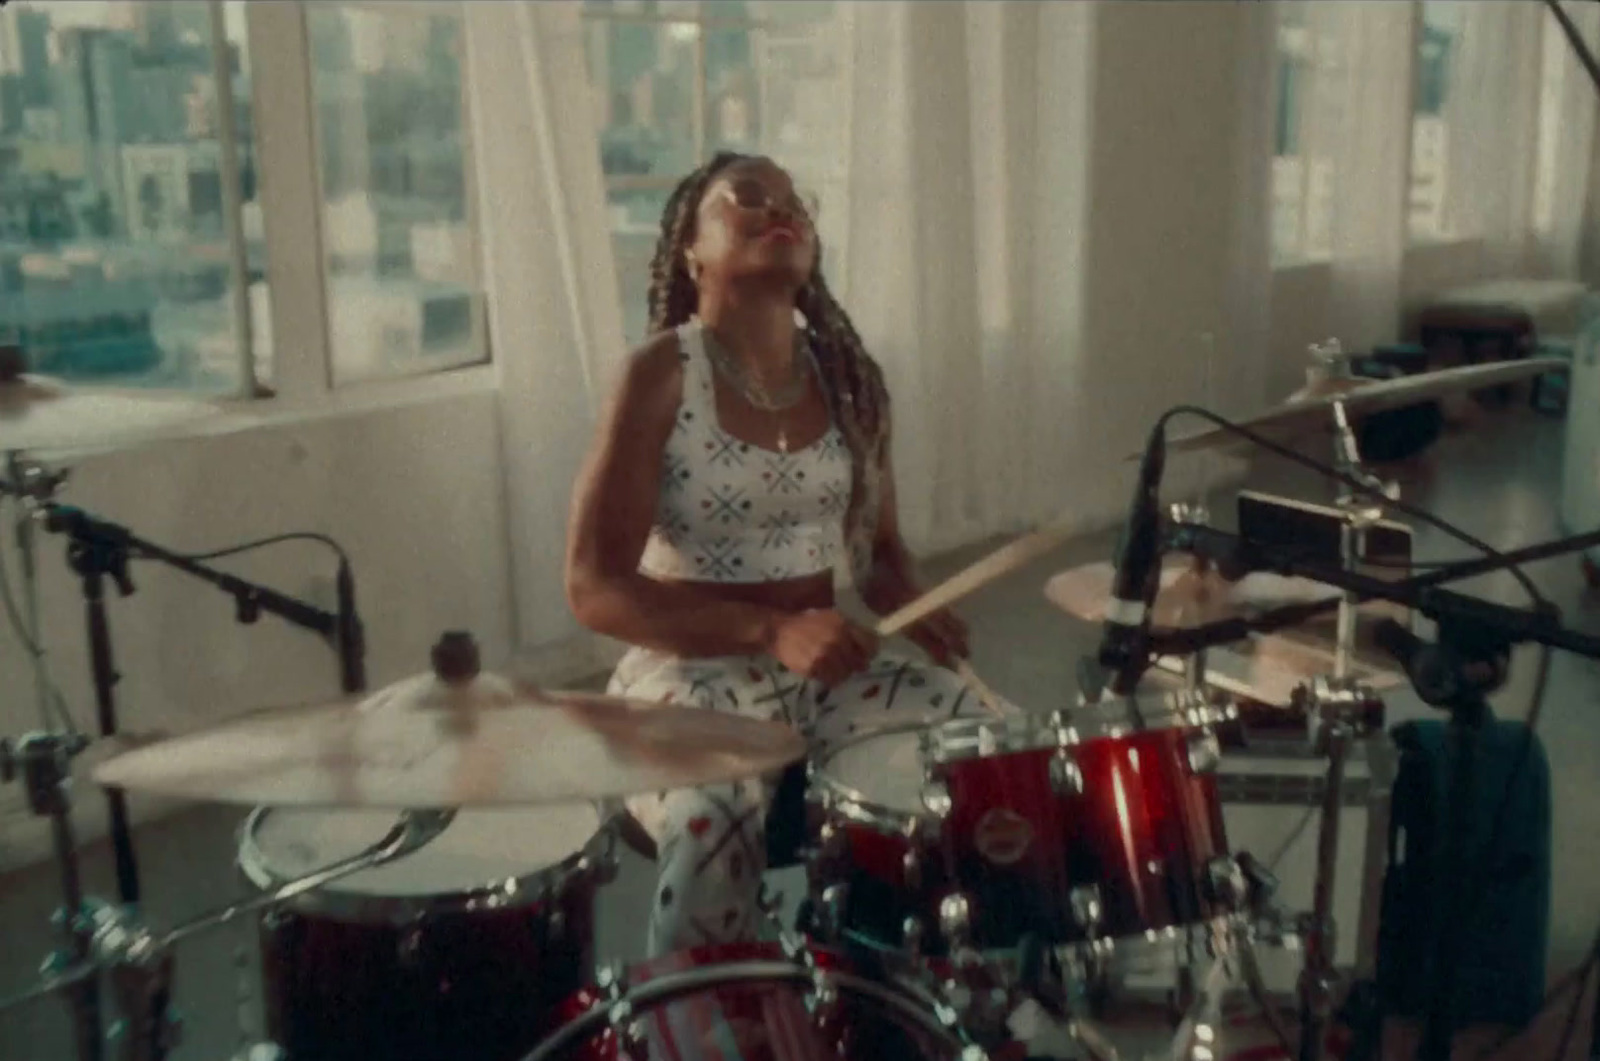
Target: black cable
{"points": [[1353, 483], [30, 644], [1536, 705], [276, 539]]}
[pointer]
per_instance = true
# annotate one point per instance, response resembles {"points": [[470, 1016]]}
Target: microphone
{"points": [[348, 638], [1124, 644]]}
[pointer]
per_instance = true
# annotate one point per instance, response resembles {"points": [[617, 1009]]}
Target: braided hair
{"points": [[852, 381]]}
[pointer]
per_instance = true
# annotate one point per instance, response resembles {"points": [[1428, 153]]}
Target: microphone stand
{"points": [[1471, 660], [96, 550]]}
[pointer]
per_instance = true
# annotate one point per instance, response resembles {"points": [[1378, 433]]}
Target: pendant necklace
{"points": [[757, 394]]}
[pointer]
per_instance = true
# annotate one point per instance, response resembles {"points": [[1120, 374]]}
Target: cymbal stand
{"points": [[44, 762], [140, 961], [33, 484], [1334, 714]]}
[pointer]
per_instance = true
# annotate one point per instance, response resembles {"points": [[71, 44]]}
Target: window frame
{"points": [[289, 194]]}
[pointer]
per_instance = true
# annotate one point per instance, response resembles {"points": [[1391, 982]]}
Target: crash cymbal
{"points": [[1311, 408], [1188, 596], [455, 738], [41, 414]]}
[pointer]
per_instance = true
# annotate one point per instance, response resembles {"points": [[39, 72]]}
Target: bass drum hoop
{"points": [[584, 867], [675, 985]]}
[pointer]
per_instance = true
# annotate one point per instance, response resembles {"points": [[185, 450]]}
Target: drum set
{"points": [[425, 862]]}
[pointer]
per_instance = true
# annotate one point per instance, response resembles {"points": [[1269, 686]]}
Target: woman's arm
{"points": [[893, 584], [613, 509]]}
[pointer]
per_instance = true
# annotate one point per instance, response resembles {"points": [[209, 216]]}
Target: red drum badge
{"points": [[1002, 836]]}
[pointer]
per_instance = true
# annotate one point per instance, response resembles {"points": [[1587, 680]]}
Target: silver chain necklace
{"points": [[775, 401]]}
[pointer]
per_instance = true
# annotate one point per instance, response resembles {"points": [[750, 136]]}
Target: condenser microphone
{"points": [[1124, 642]]}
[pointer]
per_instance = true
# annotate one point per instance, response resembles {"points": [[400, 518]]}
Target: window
{"points": [[137, 208], [1440, 28], [117, 263], [398, 227], [1302, 176], [675, 82]]}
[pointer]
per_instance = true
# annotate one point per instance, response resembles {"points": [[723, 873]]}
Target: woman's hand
{"points": [[942, 635], [823, 645]]}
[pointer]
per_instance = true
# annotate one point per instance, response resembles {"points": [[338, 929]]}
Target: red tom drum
{"points": [[985, 831], [464, 948]]}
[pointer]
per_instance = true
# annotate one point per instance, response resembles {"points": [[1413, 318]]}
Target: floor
{"points": [[1499, 481]]}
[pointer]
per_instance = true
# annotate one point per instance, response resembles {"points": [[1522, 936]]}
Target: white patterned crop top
{"points": [[732, 511]]}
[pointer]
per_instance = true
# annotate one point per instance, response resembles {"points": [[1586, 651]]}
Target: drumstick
{"points": [[986, 695], [998, 564]]}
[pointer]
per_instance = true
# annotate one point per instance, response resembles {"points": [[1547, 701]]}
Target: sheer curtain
{"points": [[966, 191], [553, 315], [1361, 126], [1566, 143], [1491, 122]]}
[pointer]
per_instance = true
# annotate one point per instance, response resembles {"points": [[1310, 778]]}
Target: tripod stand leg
{"points": [[1317, 977], [44, 761]]}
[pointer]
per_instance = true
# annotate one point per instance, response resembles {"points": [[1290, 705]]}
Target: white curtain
{"points": [[1491, 123], [1566, 143], [1361, 127], [979, 133], [554, 324], [966, 189]]}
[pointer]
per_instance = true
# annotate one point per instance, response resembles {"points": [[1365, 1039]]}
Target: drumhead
{"points": [[882, 768], [477, 849]]}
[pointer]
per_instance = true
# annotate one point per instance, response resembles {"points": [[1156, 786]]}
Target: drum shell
{"points": [[476, 974], [1143, 832], [1143, 828]]}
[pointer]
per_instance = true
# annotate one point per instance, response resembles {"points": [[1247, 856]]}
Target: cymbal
{"points": [[1187, 597], [38, 413], [453, 739], [1311, 408]]}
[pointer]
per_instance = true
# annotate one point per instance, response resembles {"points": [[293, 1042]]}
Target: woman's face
{"points": [[753, 224]]}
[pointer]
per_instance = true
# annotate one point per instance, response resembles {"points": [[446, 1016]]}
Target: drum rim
{"points": [[926, 1013], [961, 739], [585, 867], [833, 794]]}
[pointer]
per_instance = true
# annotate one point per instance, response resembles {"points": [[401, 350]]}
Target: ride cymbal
{"points": [[38, 413], [455, 738], [1311, 408]]}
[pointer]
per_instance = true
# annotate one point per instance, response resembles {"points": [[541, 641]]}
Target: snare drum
{"points": [[983, 831], [464, 948], [750, 1002]]}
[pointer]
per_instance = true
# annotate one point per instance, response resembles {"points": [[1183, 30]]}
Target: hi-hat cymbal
{"points": [[1311, 408], [41, 414], [455, 738], [1187, 597]]}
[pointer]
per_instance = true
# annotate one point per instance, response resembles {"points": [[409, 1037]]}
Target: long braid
{"points": [[673, 297], [852, 381], [860, 401]]}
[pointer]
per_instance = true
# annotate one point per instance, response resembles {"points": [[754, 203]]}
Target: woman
{"points": [[741, 458]]}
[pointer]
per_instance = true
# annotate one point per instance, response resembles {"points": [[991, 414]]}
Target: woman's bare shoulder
{"points": [[652, 374]]}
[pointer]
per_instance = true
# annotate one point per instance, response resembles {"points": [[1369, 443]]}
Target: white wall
{"points": [[414, 493]]}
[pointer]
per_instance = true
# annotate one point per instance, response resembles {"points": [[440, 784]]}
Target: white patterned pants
{"points": [[711, 844]]}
